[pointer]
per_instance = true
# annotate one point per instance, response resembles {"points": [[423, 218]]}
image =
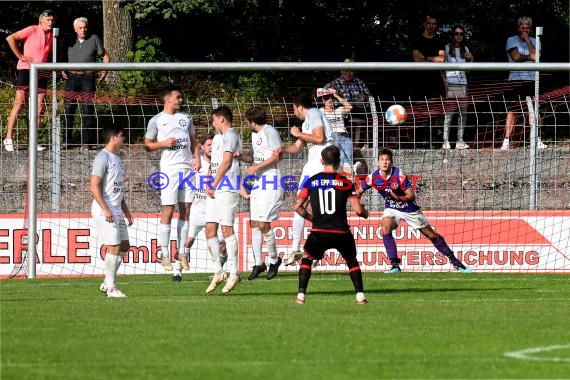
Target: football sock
{"points": [[356, 277], [256, 241], [164, 239], [214, 249], [304, 274], [391, 250], [442, 247], [119, 261], [110, 270], [232, 250], [298, 225], [182, 233], [269, 238]]}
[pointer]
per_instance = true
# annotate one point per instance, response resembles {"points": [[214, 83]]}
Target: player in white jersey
{"points": [[316, 134], [198, 209], [172, 132], [106, 185], [267, 193], [223, 198]]}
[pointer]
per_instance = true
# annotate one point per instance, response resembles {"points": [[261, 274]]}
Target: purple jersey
{"points": [[397, 182]]}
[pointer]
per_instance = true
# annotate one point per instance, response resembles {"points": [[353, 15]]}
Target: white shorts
{"points": [[415, 219], [172, 195], [197, 218], [222, 209], [309, 170], [111, 233], [265, 204]]}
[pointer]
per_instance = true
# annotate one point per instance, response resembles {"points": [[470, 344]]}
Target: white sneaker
{"points": [[300, 299], [103, 288], [293, 257], [446, 145], [361, 299], [461, 145], [9, 145], [115, 293], [231, 283], [540, 145], [166, 263], [183, 258], [218, 278], [505, 145], [40, 148]]}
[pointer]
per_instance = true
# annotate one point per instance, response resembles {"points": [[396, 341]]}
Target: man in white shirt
{"points": [[106, 185], [267, 193], [223, 198], [315, 134], [172, 132]]}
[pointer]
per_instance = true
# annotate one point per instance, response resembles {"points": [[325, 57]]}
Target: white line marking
{"points": [[528, 354]]}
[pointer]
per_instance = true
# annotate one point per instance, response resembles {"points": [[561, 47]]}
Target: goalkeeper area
{"points": [[500, 211]]}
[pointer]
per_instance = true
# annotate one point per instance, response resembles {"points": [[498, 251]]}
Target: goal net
{"points": [[499, 210]]}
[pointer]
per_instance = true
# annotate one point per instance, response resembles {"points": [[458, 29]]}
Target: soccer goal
{"points": [[500, 211]]}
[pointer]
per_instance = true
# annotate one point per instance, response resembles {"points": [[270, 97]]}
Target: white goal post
{"points": [[247, 67]]}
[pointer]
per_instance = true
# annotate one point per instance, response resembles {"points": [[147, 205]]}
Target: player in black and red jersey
{"points": [[328, 193]]}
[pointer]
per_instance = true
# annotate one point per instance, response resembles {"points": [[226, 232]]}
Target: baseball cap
{"points": [[322, 92], [47, 13]]}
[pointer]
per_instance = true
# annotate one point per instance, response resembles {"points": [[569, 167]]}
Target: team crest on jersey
{"points": [[394, 186], [259, 141], [306, 126], [183, 122]]}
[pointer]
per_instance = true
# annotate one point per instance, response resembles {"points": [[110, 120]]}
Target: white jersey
{"points": [[314, 119], [229, 141], [202, 179], [179, 126], [522, 47], [109, 167], [263, 144]]}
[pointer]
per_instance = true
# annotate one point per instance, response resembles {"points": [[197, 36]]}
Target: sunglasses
{"points": [[459, 34], [47, 13]]}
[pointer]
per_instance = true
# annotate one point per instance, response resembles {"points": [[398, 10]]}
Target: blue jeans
{"points": [[346, 148]]}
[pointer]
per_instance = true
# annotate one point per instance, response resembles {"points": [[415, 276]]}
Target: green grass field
{"points": [[445, 325]]}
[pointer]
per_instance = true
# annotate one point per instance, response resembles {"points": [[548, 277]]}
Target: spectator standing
{"points": [[328, 192], [456, 86], [106, 185], [520, 48], [429, 47], [355, 91], [80, 86], [38, 42], [336, 117]]}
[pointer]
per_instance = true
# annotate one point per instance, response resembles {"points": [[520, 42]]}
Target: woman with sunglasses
{"points": [[456, 87]]}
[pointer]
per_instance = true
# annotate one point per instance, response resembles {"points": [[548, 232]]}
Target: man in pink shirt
{"points": [[38, 40]]}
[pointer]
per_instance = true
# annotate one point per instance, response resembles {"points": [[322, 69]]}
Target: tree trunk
{"points": [[118, 34]]}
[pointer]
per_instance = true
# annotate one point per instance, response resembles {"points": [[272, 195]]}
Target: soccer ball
{"points": [[395, 114]]}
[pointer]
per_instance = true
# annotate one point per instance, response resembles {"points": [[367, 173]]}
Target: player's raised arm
{"points": [[358, 207]]}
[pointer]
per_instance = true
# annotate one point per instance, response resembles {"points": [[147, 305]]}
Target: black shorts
{"points": [[519, 90], [23, 81], [318, 242]]}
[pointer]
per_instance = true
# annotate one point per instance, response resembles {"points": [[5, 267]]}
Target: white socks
{"points": [[298, 226], [164, 239], [182, 233], [256, 241], [232, 249], [112, 263], [214, 249], [269, 238]]}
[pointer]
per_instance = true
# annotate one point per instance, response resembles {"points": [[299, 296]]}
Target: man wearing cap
{"points": [[80, 85], [38, 41]]}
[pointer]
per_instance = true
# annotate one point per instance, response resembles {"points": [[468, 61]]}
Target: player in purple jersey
{"points": [[328, 193], [400, 203]]}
